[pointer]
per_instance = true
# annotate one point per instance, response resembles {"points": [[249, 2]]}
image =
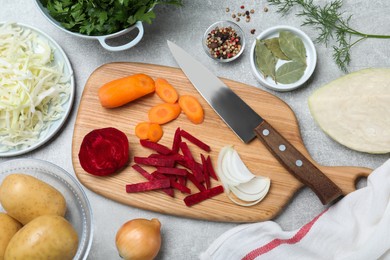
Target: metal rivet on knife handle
{"points": [[298, 165]]}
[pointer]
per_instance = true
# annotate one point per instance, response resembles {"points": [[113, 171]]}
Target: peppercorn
{"points": [[223, 43], [247, 13], [233, 16], [237, 19], [253, 31], [252, 11], [265, 9], [242, 7], [227, 9]]}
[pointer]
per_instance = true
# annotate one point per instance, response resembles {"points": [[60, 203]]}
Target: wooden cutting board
{"points": [[213, 131]]}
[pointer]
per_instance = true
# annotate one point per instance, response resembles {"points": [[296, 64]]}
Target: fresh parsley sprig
{"points": [[331, 23], [102, 17]]}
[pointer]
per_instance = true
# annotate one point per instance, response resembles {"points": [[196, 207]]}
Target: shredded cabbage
{"points": [[33, 87]]}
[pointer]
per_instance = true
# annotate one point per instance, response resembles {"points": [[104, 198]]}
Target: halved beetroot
{"points": [[104, 151]]}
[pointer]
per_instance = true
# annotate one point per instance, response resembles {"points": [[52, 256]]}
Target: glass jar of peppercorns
{"points": [[224, 41]]}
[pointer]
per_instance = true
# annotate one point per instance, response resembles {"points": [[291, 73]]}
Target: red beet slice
{"points": [[153, 176], [143, 172], [147, 186], [191, 163], [182, 180], [175, 157], [205, 172], [203, 195], [104, 151], [174, 171], [195, 141], [186, 151], [154, 161], [193, 179], [161, 149], [180, 187], [176, 141], [210, 168]]}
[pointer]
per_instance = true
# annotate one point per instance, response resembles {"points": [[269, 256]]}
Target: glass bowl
{"points": [[216, 37], [78, 212]]}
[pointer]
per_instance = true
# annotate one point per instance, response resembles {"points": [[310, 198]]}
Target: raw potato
{"points": [[24, 198], [8, 228], [355, 110], [45, 237]]}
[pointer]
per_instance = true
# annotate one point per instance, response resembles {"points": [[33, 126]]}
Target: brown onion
{"points": [[139, 239]]}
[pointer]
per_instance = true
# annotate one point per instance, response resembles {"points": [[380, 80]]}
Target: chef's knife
{"points": [[247, 125]]}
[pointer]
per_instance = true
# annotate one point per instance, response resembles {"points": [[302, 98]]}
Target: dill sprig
{"points": [[331, 24]]}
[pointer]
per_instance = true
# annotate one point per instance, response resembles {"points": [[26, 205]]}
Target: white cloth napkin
{"points": [[356, 227]]}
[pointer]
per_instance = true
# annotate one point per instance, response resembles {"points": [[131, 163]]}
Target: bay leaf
{"points": [[273, 45], [290, 72], [265, 60], [292, 46]]}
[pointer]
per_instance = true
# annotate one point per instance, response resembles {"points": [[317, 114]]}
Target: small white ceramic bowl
{"points": [[310, 53], [224, 24], [102, 39]]}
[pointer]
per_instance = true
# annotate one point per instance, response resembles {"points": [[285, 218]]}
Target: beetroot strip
{"points": [[174, 171], [154, 161], [182, 180], [176, 141], [147, 186], [150, 177], [202, 195], [195, 141], [191, 164], [205, 172], [186, 151], [175, 157], [193, 179], [143, 172], [180, 187], [161, 149], [210, 168]]}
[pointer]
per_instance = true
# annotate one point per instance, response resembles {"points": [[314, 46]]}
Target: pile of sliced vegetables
{"points": [[174, 167], [32, 87], [237, 178], [121, 91]]}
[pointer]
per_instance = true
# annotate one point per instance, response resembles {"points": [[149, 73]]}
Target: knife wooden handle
{"points": [[297, 164]]}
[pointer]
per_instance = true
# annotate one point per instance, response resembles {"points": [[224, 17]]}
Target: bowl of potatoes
{"points": [[44, 212]]}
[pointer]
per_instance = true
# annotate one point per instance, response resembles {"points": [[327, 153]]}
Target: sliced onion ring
{"points": [[238, 179]]}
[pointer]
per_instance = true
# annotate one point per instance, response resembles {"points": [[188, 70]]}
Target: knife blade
{"points": [[247, 125]]}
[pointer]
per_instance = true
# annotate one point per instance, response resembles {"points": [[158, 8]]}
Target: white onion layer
{"points": [[238, 179]]}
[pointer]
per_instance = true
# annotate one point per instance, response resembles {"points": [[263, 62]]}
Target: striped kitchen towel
{"points": [[356, 227]]}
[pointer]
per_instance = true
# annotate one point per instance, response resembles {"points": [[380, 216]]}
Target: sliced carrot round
{"points": [[164, 113], [191, 108], [141, 130], [155, 132], [166, 91]]}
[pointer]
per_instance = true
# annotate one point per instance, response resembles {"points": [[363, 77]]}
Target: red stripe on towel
{"points": [[302, 232]]}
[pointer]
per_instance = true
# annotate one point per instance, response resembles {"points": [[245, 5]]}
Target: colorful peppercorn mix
{"points": [[223, 43]]}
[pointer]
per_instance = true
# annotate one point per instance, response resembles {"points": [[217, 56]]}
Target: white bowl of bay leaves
{"points": [[283, 58]]}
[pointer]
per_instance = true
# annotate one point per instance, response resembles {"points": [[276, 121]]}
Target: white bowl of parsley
{"points": [[101, 19]]}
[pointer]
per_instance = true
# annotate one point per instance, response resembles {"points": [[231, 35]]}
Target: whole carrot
{"points": [[121, 91]]}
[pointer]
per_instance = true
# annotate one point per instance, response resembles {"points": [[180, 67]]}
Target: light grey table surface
{"points": [[185, 238]]}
